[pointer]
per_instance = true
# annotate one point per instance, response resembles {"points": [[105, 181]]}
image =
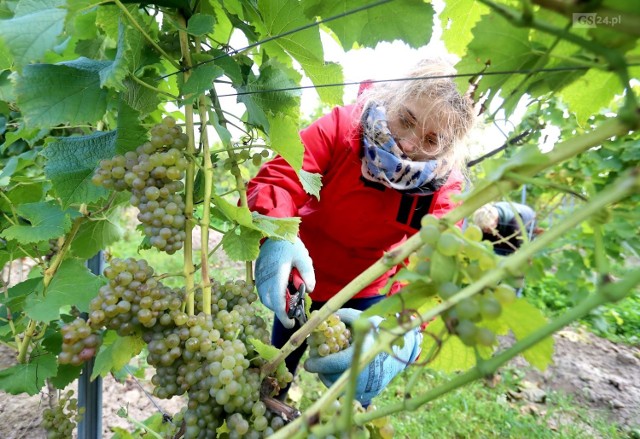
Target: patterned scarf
{"points": [[384, 162]]}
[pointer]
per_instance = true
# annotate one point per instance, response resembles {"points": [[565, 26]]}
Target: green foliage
{"points": [[29, 378], [115, 353], [74, 286]]}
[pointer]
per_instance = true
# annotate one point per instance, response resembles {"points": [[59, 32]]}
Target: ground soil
{"points": [[599, 374]]}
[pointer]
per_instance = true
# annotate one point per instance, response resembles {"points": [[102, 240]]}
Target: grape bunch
{"points": [[378, 428], [329, 337], [79, 343], [59, 421], [153, 174], [449, 261], [133, 298], [210, 358]]}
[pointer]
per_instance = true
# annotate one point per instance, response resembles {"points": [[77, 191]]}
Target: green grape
{"points": [[449, 244], [443, 268], [490, 308], [473, 233], [466, 331], [485, 337], [430, 234], [447, 290], [504, 294]]}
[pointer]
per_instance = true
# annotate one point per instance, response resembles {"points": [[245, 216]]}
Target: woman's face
{"points": [[415, 130]]}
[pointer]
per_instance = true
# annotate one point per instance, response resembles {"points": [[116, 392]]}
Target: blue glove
{"points": [[273, 266], [377, 374]]}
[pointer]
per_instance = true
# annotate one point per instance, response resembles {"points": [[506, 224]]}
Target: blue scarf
{"points": [[384, 162]]}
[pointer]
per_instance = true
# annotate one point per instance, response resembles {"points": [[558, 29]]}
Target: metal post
{"points": [[90, 392]]}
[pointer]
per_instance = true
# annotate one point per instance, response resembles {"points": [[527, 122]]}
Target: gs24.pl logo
{"points": [[593, 19]]}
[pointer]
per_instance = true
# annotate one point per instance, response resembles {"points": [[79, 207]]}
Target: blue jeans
{"points": [[280, 335]]}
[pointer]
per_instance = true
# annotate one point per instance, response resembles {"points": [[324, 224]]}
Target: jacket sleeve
{"points": [[276, 190]]}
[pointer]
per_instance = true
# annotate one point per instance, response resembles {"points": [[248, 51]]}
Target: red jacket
{"points": [[355, 221]]}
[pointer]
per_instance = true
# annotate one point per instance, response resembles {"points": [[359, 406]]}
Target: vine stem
{"points": [[240, 185], [479, 197], [146, 36], [206, 204], [489, 366], [49, 273], [189, 177], [624, 187], [360, 331]]}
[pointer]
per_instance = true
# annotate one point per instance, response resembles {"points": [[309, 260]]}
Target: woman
{"points": [[385, 162]]}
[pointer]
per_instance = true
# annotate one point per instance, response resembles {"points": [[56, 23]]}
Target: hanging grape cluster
{"points": [[79, 342], [60, 420], [153, 174], [133, 298], [329, 337], [451, 260], [211, 359], [378, 428]]}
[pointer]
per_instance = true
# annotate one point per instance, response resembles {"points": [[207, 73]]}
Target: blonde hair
{"points": [[430, 81], [486, 218]]}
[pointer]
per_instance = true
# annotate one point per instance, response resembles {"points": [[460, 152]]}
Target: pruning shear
{"points": [[296, 291]]}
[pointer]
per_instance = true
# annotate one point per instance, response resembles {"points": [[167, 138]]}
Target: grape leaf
{"points": [[523, 319], [130, 42], [28, 378], [282, 16], [94, 236], [73, 284], [130, 133], [285, 139], [17, 294], [382, 22], [71, 162], [284, 228], [238, 214], [267, 352], [201, 79], [590, 93], [223, 133], [33, 30], [514, 52], [451, 356], [47, 220], [311, 182], [69, 92], [242, 244], [65, 375], [279, 78], [457, 19], [139, 97], [200, 24], [22, 194], [115, 353], [16, 164]]}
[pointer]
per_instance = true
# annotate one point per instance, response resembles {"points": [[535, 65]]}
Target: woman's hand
{"points": [[274, 264]]}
